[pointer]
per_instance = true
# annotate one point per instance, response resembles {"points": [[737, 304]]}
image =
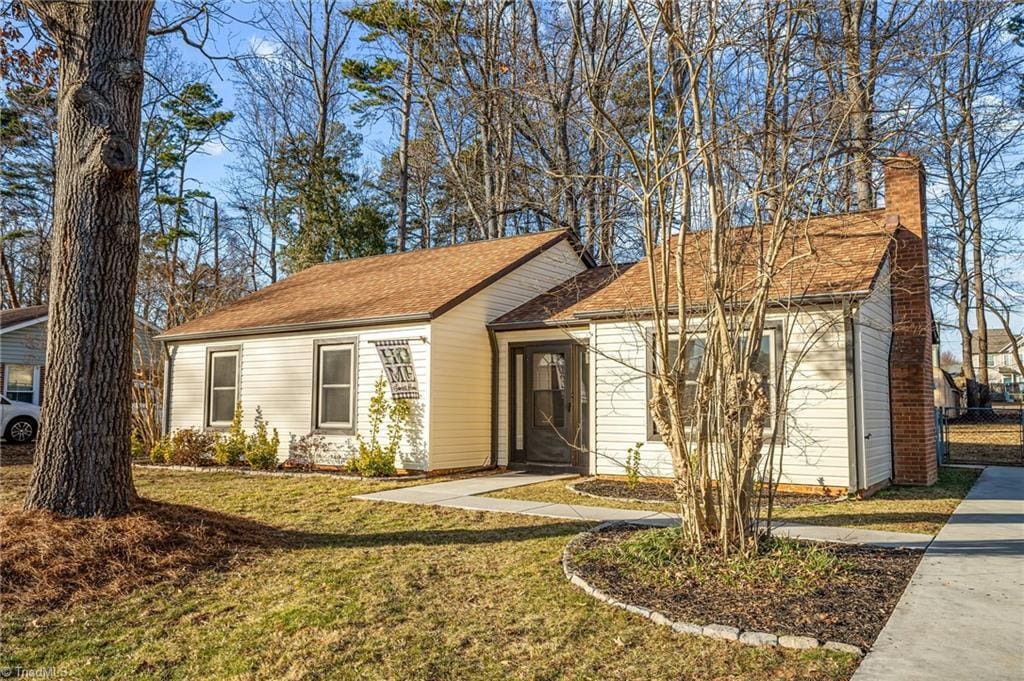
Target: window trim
{"points": [[775, 328], [35, 382], [331, 428], [208, 384]]}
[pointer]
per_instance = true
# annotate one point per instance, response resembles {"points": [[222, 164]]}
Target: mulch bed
{"points": [[49, 561], [662, 492], [851, 606]]}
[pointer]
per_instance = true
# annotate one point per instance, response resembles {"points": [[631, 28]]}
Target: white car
{"points": [[19, 421]]}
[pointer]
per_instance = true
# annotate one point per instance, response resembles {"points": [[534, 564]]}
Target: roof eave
{"points": [[298, 327], [534, 324], [643, 313], [24, 324]]}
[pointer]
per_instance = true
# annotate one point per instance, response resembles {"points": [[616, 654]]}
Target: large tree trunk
{"points": [[83, 460], [852, 15]]}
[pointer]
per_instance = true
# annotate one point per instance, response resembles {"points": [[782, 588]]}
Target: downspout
{"points": [[165, 421], [493, 339], [853, 406]]}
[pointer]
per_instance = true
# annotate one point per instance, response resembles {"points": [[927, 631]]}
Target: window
{"points": [[549, 389], [518, 382], [223, 387], [693, 353], [20, 383], [335, 379]]}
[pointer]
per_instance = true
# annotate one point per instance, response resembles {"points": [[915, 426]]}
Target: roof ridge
{"points": [[364, 258]]}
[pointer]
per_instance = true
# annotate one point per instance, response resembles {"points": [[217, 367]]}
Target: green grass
{"points": [[900, 508], [659, 556], [896, 509], [371, 590]]}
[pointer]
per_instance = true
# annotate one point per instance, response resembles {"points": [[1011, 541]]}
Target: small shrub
{"points": [[373, 458], [633, 465], [662, 556], [309, 451], [190, 447], [229, 449], [261, 451], [138, 446], [160, 452], [372, 463]]}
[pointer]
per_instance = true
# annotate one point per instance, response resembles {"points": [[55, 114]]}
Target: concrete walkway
{"points": [[464, 493], [962, 615]]}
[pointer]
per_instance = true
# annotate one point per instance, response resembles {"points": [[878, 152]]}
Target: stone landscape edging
{"points": [[277, 474], [716, 631]]}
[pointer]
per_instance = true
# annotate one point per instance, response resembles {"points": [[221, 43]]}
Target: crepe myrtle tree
{"points": [[83, 457], [718, 145]]}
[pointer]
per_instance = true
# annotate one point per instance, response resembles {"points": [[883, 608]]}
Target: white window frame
{"points": [[211, 356], [35, 381], [318, 386]]}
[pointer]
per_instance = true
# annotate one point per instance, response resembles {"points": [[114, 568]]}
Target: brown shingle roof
{"points": [[414, 283], [827, 255], [19, 315]]}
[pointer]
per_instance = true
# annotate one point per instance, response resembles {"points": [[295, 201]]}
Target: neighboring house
{"points": [[520, 352], [948, 396], [1004, 376], [23, 351]]}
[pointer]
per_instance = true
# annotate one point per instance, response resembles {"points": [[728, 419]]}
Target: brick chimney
{"points": [[911, 384]]}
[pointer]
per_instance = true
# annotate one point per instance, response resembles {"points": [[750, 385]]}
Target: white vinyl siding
{"points": [[816, 447], [873, 329], [504, 338], [26, 345], [277, 374], [460, 413]]}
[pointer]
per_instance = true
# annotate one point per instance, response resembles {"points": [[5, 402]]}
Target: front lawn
{"points": [[899, 508], [352, 589]]}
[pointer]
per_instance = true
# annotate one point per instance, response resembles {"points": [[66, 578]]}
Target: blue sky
{"points": [[211, 169], [237, 37]]}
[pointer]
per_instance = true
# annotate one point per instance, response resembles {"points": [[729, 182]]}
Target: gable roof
{"points": [[832, 255], [408, 286], [20, 317], [998, 341]]}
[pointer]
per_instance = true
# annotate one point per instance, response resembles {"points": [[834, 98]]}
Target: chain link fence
{"points": [[991, 436]]}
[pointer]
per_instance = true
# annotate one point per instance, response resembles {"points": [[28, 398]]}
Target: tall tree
{"points": [[978, 128], [191, 119], [28, 143], [83, 458], [386, 82]]}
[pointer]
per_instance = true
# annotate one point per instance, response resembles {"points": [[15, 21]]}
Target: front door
{"points": [[548, 402]]}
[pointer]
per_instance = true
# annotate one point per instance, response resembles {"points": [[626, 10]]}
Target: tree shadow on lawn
{"points": [[49, 562], [435, 537], [866, 518]]}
